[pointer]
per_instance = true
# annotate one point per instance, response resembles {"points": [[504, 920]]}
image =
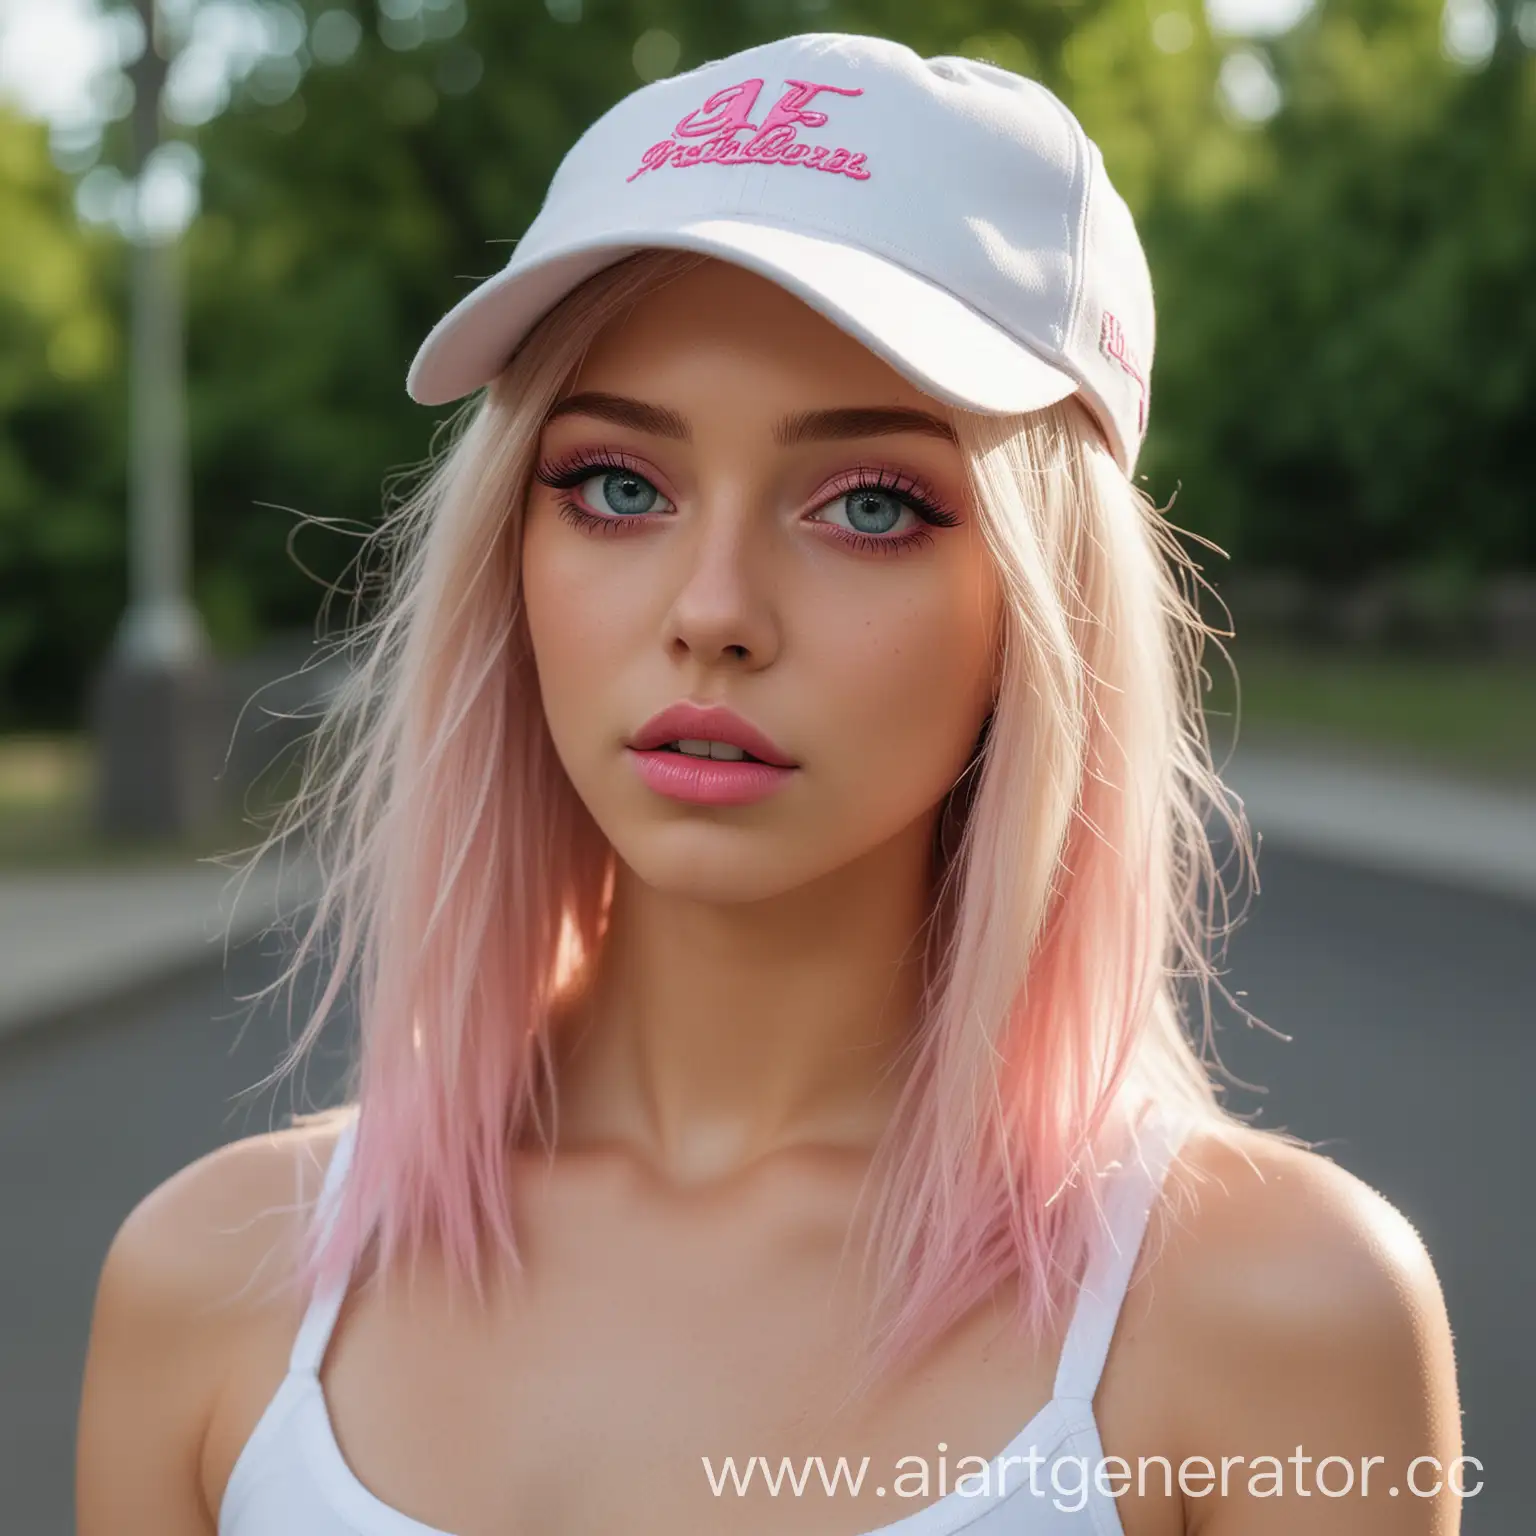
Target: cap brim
{"points": [[942, 345]]}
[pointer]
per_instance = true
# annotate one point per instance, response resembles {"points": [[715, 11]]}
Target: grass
{"points": [[47, 785], [1475, 717]]}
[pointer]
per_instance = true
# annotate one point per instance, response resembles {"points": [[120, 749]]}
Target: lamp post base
{"points": [[160, 729]]}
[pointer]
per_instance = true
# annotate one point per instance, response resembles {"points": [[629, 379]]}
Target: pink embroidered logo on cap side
{"points": [[728, 113], [1113, 345]]}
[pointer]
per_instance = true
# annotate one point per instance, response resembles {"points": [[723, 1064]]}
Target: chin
{"points": [[719, 866]]}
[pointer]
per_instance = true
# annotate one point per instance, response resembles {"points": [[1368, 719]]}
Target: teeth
{"points": [[715, 749]]}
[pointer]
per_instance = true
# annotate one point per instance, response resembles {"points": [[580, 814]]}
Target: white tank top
{"points": [[292, 1480]]}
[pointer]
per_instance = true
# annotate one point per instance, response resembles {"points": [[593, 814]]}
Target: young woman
{"points": [[767, 824]]}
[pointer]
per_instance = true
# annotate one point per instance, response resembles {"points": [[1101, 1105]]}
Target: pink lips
{"points": [[705, 780]]}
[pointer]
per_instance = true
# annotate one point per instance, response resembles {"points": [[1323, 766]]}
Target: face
{"points": [[738, 505]]}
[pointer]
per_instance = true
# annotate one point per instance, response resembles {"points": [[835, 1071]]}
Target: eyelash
{"points": [[568, 473]]}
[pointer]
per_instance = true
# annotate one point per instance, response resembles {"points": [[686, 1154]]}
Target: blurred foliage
{"points": [[1347, 380], [1347, 318], [62, 436]]}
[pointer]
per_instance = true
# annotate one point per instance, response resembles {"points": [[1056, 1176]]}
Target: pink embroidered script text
{"points": [[1113, 345], [721, 121]]}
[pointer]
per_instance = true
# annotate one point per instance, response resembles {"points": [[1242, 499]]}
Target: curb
{"points": [[133, 931], [1398, 820]]}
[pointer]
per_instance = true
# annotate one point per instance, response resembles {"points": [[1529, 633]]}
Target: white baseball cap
{"points": [[951, 215]]}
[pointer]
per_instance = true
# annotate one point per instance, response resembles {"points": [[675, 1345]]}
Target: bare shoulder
{"points": [[1255, 1229], [199, 1262], [217, 1229], [1295, 1310]]}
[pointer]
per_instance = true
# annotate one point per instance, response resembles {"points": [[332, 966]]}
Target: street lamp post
{"points": [[157, 706]]}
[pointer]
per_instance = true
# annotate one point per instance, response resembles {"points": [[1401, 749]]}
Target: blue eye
{"points": [[620, 492], [871, 510]]}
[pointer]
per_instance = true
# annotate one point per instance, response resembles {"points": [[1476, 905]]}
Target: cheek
{"points": [[575, 624], [906, 683]]}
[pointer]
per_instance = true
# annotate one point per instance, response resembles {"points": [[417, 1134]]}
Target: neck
{"points": [[712, 1036]]}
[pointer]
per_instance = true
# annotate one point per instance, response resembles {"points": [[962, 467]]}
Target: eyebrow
{"points": [[802, 427]]}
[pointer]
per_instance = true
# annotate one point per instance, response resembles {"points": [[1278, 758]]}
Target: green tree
{"points": [[61, 437], [1348, 377]]}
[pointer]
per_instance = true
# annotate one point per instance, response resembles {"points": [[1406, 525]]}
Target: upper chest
{"points": [[650, 1345]]}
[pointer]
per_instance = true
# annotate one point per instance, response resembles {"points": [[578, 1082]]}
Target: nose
{"points": [[722, 605]]}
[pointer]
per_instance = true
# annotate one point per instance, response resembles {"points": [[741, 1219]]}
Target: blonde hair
{"points": [[464, 883]]}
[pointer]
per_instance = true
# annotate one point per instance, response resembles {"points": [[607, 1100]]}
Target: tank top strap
{"points": [[1133, 1191], [325, 1304]]}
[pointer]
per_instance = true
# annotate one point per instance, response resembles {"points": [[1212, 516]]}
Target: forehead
{"points": [[719, 325]]}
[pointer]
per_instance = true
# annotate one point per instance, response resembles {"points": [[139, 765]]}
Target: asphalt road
{"points": [[1412, 1058]]}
